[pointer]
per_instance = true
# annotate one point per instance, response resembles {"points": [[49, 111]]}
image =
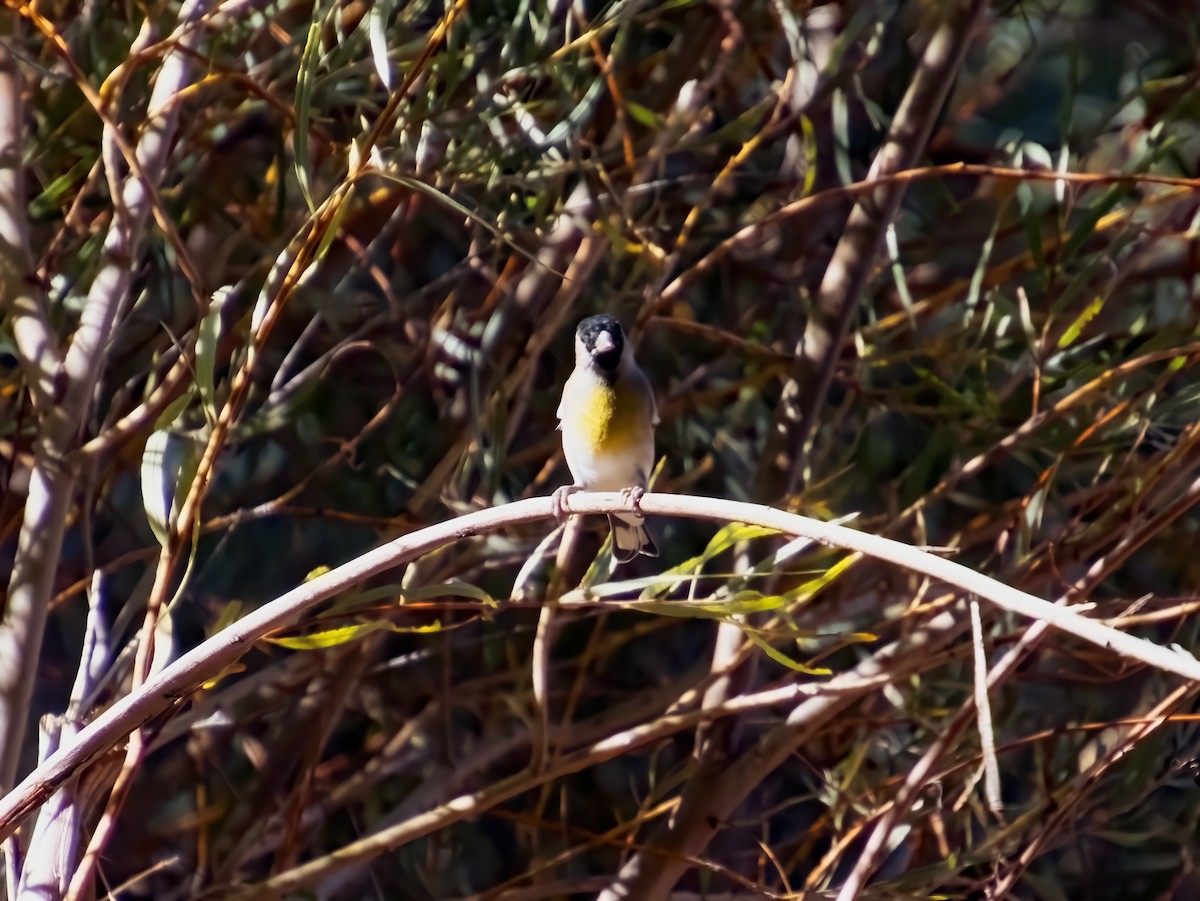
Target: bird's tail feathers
{"points": [[630, 537]]}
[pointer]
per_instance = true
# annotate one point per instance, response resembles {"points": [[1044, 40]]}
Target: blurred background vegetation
{"points": [[385, 220]]}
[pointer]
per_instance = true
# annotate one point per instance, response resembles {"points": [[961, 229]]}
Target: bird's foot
{"points": [[633, 497], [559, 499]]}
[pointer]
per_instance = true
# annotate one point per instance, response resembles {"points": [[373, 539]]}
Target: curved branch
{"points": [[212, 656]]}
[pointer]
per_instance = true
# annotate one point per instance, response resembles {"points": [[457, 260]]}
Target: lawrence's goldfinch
{"points": [[607, 418]]}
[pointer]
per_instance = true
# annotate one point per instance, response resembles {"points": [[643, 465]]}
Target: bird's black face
{"points": [[603, 339]]}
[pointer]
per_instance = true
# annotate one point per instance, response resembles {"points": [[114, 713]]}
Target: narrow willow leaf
{"points": [[451, 588], [726, 537], [812, 586], [864, 637], [840, 121], [168, 466], [751, 602], [207, 339], [741, 603], [366, 598], [381, 11], [811, 155], [979, 275], [164, 640], [571, 124], [55, 194], [779, 657], [305, 79], [681, 611], [602, 567], [335, 223], [624, 586], [899, 279], [740, 129], [734, 533], [641, 114], [329, 638], [233, 669], [1075, 329]]}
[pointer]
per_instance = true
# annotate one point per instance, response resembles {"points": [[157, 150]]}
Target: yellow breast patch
{"points": [[610, 418]]}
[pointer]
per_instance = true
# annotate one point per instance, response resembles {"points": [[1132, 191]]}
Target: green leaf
{"points": [[305, 79], [381, 11], [811, 155], [840, 121], [602, 567], [864, 637], [57, 193], [453, 588], [168, 465], [207, 339], [342, 199], [779, 657], [1071, 335], [741, 603], [734, 533], [975, 290], [641, 114], [812, 586], [173, 410], [571, 124], [740, 129], [726, 537], [329, 638]]}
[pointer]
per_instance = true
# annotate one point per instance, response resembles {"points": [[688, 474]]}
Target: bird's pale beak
{"points": [[604, 343]]}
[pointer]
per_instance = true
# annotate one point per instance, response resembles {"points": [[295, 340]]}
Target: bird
{"points": [[607, 417]]}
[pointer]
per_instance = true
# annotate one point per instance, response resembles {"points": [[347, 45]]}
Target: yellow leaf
{"points": [[330, 637], [315, 641], [779, 657], [230, 670], [1071, 335], [812, 586]]}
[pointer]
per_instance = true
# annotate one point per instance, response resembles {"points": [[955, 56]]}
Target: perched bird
{"points": [[607, 417]]}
